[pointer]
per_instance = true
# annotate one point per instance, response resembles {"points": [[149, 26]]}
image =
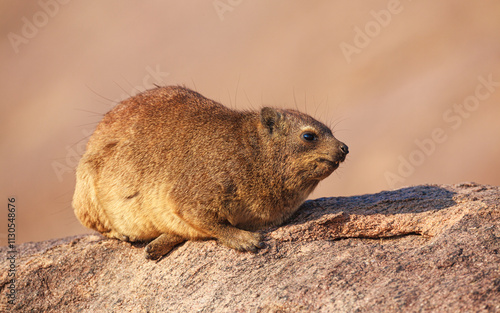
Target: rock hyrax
{"points": [[170, 165]]}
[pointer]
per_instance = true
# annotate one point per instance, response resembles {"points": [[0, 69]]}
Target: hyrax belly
{"points": [[140, 206], [141, 221]]}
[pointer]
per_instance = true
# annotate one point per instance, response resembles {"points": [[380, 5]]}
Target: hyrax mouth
{"points": [[338, 157], [334, 164]]}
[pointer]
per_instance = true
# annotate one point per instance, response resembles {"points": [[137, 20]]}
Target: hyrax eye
{"points": [[309, 136]]}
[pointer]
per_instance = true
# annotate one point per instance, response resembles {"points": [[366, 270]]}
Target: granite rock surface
{"points": [[429, 248]]}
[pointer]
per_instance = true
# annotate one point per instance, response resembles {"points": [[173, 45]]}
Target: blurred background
{"points": [[412, 87]]}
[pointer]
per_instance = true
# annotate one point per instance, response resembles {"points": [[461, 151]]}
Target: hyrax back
{"points": [[171, 165]]}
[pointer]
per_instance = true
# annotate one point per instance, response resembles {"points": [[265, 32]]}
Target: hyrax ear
{"points": [[270, 118]]}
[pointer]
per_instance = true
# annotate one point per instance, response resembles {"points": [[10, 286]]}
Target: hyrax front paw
{"points": [[162, 245], [243, 241]]}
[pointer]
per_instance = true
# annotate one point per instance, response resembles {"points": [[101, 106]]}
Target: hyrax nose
{"points": [[344, 148]]}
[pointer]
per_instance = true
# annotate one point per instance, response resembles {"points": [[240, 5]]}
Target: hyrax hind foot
{"points": [[162, 245], [116, 235], [243, 241]]}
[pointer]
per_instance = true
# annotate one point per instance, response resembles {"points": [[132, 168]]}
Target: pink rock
{"points": [[418, 249]]}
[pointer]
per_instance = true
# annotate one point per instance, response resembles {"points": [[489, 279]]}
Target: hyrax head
{"points": [[306, 145]]}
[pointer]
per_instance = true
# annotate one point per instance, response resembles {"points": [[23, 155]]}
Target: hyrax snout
{"points": [[170, 165]]}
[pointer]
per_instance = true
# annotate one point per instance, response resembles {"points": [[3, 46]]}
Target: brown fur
{"points": [[171, 165]]}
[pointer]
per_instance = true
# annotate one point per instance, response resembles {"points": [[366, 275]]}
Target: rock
{"points": [[419, 249]]}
